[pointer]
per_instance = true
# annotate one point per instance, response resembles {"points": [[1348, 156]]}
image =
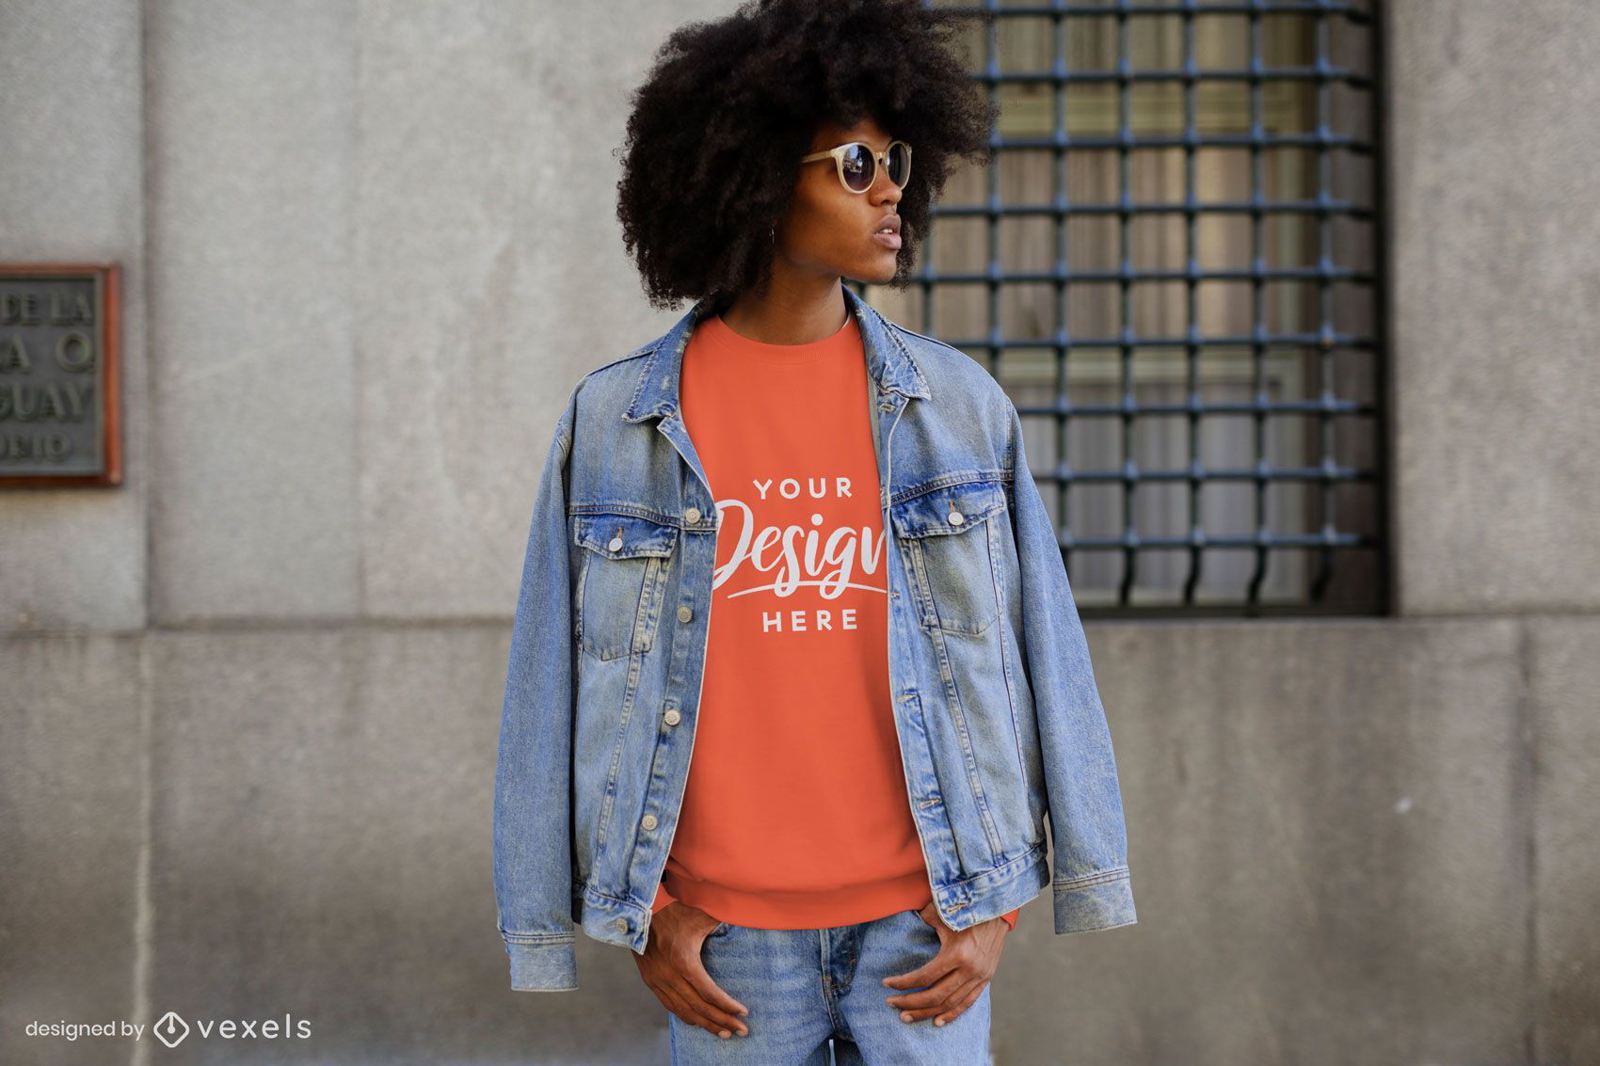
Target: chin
{"points": [[880, 275], [874, 271]]}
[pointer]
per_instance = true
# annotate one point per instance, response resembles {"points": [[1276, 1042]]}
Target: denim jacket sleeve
{"points": [[532, 828], [1091, 884]]}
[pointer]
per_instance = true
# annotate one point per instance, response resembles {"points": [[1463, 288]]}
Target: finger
{"points": [[926, 974], [951, 1002], [966, 1000], [700, 980], [680, 1008], [929, 1001], [690, 1009], [718, 1018]]}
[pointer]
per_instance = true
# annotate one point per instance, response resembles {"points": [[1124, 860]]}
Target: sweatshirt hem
{"points": [[804, 909]]}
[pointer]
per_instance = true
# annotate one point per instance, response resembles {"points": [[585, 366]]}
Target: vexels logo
{"points": [[172, 1030], [167, 1029]]}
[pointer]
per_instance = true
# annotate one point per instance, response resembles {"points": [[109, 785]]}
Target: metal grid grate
{"points": [[1171, 266]]}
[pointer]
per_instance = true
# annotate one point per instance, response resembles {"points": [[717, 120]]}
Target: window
{"points": [[1171, 267]]}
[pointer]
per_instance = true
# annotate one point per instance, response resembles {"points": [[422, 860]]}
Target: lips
{"points": [[888, 232]]}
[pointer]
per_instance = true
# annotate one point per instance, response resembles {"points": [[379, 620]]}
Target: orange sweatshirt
{"points": [[795, 814]]}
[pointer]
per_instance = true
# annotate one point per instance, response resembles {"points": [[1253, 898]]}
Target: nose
{"points": [[885, 190]]}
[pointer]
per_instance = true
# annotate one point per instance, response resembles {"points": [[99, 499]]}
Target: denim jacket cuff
{"points": [[1101, 900], [543, 966]]}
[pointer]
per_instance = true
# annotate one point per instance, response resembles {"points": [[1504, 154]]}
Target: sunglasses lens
{"points": [[859, 167], [899, 163]]}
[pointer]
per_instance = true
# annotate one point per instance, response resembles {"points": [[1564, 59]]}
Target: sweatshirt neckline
{"points": [[724, 336]]}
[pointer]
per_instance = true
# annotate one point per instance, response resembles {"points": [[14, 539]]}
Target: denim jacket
{"points": [[995, 705]]}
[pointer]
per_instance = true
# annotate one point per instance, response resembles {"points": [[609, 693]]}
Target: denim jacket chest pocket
{"points": [[949, 538], [624, 568]]}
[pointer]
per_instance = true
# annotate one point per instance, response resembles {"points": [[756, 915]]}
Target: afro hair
{"points": [[730, 106]]}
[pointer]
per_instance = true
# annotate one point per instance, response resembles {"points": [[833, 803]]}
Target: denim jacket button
{"points": [[672, 716], [648, 821], [684, 614], [956, 518], [692, 514], [621, 924], [616, 544]]}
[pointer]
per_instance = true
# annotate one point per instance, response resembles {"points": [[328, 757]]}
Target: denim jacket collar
{"points": [[889, 361]]}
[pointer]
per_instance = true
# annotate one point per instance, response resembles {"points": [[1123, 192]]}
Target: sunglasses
{"points": [[857, 163]]}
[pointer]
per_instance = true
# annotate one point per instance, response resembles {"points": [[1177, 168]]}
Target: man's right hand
{"points": [[672, 969]]}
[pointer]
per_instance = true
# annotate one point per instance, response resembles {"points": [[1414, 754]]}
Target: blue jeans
{"points": [[805, 985]]}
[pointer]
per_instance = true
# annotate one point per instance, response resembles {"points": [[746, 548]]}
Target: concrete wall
{"points": [[250, 699]]}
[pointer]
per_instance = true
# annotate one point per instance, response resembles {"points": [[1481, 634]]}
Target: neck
{"points": [[790, 312]]}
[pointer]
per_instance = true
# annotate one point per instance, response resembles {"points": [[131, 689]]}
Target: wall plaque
{"points": [[60, 377]]}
